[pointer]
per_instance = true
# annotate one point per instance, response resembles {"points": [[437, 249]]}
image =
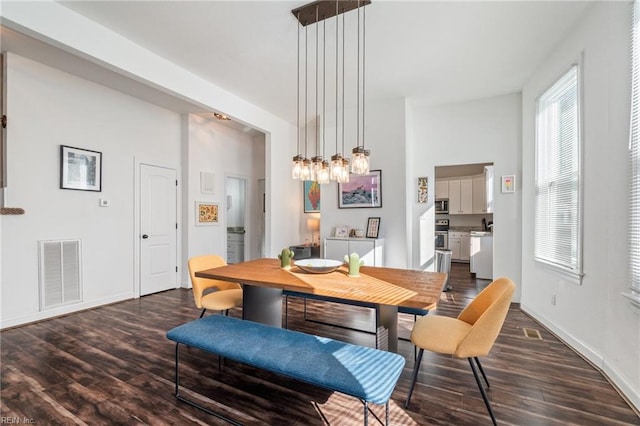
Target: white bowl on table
{"points": [[318, 266]]}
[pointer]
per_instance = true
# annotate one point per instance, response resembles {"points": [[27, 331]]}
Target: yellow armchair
{"points": [[213, 294], [470, 335]]}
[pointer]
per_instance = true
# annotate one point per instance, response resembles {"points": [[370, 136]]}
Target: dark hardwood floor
{"points": [[113, 365]]}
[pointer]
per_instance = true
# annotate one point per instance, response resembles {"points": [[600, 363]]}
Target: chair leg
{"points": [[415, 376], [202, 314], [482, 391], [482, 371]]}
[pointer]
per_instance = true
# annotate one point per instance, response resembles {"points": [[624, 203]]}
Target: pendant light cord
{"points": [[298, 86], [364, 50], [344, 36], [324, 85], [337, 52], [317, 39], [306, 89], [358, 83]]}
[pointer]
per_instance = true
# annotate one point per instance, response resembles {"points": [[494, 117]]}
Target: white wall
{"points": [[52, 23], [385, 137], [49, 108], [593, 317], [212, 147], [481, 131]]}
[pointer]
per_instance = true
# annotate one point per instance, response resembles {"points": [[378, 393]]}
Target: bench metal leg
{"points": [[192, 403], [366, 413]]}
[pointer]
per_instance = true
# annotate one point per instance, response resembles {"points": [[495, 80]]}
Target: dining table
{"points": [[381, 288]]}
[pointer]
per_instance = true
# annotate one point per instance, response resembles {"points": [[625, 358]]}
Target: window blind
{"points": [[557, 182], [634, 155]]}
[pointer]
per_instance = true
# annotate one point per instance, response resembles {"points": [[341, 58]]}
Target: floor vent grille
{"points": [[60, 278], [532, 333]]}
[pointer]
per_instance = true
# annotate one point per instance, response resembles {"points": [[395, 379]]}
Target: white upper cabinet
{"points": [[442, 189], [479, 194], [461, 196]]}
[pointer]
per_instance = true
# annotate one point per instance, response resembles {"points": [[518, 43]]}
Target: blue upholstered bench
{"points": [[362, 372]]}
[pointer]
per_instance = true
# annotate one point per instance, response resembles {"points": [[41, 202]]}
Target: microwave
{"points": [[442, 205]]}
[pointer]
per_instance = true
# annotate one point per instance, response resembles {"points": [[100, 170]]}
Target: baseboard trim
{"points": [[617, 380], [63, 310]]}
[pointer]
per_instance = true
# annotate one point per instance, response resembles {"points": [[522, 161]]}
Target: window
{"points": [[558, 204], [634, 168]]}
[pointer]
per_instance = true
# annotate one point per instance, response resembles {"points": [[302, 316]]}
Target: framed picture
{"points": [[80, 169], [509, 183], [207, 213], [361, 191], [342, 231], [373, 227], [311, 195], [423, 190]]}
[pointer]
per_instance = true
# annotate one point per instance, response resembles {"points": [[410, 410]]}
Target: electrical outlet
{"points": [[553, 299]]}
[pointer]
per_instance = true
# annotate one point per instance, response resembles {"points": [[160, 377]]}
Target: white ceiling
{"points": [[429, 51]]}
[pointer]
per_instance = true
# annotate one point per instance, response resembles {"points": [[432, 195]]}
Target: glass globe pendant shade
{"points": [[316, 167], [344, 172], [336, 167], [296, 169], [305, 174], [360, 165], [323, 174]]}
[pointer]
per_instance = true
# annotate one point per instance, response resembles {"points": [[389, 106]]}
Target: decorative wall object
{"points": [[311, 195], [361, 191], [373, 227], [423, 190], [207, 182], [508, 183], [207, 213], [80, 169]]}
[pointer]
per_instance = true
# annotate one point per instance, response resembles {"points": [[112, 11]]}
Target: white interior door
{"points": [[158, 229]]}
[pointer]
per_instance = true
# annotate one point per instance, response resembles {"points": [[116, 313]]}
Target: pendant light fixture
{"points": [[316, 161], [323, 174], [296, 170], [344, 173], [360, 155], [317, 168]]}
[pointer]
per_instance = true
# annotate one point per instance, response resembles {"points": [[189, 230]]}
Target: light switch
{"points": [[104, 203]]}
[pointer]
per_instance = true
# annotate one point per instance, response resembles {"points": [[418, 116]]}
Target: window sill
{"points": [[573, 276], [634, 299]]}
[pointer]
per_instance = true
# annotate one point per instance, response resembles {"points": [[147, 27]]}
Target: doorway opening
{"points": [[236, 218], [464, 215]]}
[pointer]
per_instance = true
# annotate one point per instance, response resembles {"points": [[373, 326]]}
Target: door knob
{"points": [[145, 236]]}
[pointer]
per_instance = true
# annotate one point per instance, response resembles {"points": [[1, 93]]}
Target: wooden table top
{"points": [[376, 285]]}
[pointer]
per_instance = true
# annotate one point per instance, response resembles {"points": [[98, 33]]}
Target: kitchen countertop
{"points": [[465, 228]]}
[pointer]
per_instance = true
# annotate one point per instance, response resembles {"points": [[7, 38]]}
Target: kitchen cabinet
{"points": [[461, 196], [442, 189], [459, 246], [479, 194], [371, 250], [235, 247]]}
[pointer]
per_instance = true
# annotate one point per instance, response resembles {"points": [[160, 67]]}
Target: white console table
{"points": [[371, 250]]}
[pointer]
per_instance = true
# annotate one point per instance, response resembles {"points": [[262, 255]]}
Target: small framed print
{"points": [[508, 183], [342, 231], [207, 213], [423, 190], [80, 169], [373, 227]]}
